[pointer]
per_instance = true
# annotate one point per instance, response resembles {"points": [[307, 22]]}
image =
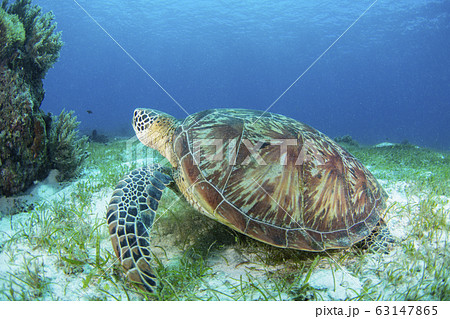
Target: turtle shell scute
{"points": [[276, 180]]}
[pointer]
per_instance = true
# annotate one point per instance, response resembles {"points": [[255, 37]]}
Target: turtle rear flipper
{"points": [[130, 216], [380, 240]]}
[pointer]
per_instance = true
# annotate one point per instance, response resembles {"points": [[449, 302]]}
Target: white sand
{"points": [[227, 271]]}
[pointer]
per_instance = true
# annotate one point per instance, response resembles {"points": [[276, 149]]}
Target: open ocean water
{"points": [[376, 70]]}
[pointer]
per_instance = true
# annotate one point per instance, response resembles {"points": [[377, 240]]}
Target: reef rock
{"points": [[29, 46]]}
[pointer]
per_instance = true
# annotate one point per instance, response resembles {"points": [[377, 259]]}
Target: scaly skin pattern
{"points": [[130, 217]]}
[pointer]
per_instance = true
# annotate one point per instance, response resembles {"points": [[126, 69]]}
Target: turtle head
{"points": [[155, 129]]}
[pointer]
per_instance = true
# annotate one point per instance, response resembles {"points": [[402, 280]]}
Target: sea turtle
{"points": [[262, 174]]}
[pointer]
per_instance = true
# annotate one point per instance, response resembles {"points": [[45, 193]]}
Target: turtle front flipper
{"points": [[130, 217]]}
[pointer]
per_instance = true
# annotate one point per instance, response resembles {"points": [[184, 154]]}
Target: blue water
{"points": [[386, 79]]}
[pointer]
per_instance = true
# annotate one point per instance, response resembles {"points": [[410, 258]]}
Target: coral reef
{"points": [[38, 50], [67, 150], [40, 44], [98, 138], [30, 145], [23, 149], [346, 139]]}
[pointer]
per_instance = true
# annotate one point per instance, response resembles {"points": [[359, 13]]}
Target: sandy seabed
{"points": [[32, 270]]}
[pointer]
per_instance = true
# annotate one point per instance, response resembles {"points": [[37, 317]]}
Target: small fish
{"points": [[89, 111]]}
